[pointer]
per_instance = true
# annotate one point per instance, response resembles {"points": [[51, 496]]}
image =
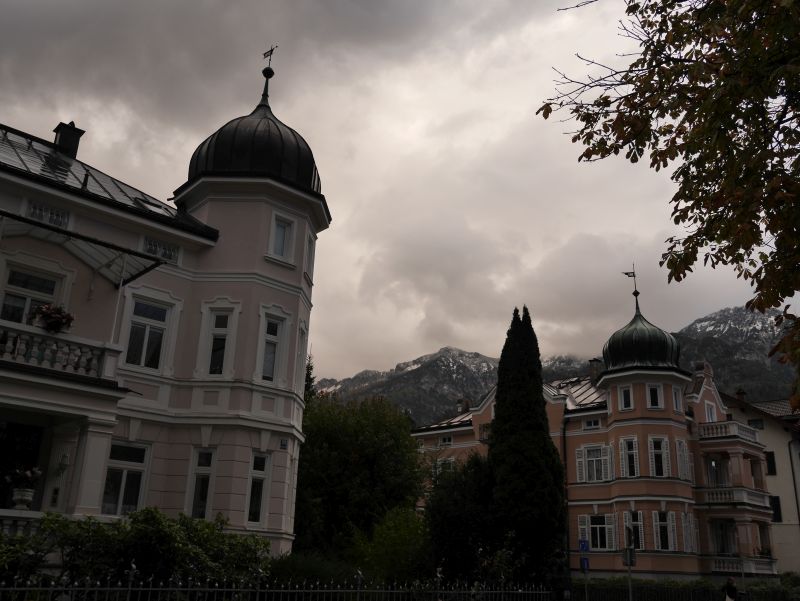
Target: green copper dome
{"points": [[640, 344]]}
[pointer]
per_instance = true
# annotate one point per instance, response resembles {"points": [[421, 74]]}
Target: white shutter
{"points": [[687, 546], [583, 527], [673, 531], [579, 464], [667, 469], [693, 533], [691, 467], [680, 450], [636, 456], [641, 529], [611, 462], [623, 468], [611, 531], [605, 452], [656, 532], [652, 458]]}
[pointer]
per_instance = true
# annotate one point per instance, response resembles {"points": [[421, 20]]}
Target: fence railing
{"points": [[207, 591]]}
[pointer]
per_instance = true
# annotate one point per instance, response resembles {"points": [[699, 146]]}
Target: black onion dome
{"points": [[641, 344], [260, 145]]}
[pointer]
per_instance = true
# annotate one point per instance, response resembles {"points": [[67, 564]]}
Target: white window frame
{"points": [[592, 423], [621, 396], [635, 520], [302, 357], [40, 267], [624, 453], [711, 412], [209, 309], [196, 470], [605, 459], [289, 241], [659, 396], [446, 440], [671, 531], [161, 249], [174, 308], [310, 256], [677, 399], [605, 532], [283, 317], [445, 464], [665, 459], [263, 476], [126, 467]]}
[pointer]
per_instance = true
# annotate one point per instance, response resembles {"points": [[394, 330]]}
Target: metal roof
{"points": [[34, 158], [581, 393]]}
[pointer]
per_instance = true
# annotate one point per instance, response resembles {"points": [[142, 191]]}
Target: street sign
{"points": [[583, 545], [584, 564]]}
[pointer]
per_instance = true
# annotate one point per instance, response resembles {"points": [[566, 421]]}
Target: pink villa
{"points": [[650, 446], [179, 383]]}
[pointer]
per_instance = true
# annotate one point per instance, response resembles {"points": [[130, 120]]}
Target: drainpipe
{"points": [[566, 490], [794, 478]]}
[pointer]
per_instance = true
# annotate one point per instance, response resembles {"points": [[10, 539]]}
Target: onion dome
{"points": [[640, 344], [257, 145]]}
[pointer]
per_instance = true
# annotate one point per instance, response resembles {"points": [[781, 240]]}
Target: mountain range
{"points": [[735, 341]]}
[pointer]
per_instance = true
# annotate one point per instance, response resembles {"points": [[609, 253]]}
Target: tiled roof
{"points": [[33, 158], [779, 408]]}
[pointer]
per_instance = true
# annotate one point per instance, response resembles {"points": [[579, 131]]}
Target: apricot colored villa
{"points": [[650, 446], [179, 383]]}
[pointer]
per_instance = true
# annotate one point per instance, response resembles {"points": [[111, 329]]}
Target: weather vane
{"points": [[268, 54], [632, 274]]}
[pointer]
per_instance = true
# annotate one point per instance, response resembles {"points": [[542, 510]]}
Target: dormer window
{"points": [[47, 214]]}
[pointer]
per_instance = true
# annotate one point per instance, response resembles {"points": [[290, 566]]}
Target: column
{"points": [[90, 467]]}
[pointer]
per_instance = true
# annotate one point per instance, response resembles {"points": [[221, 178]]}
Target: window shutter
{"points": [[691, 467], [693, 533], [673, 531], [611, 531], [667, 467], [579, 464], [583, 527], [636, 456], [623, 469], [680, 450], [656, 532], [652, 458], [605, 457], [641, 529], [685, 530]]}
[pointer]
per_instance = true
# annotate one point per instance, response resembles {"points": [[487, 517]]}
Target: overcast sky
{"points": [[452, 203]]}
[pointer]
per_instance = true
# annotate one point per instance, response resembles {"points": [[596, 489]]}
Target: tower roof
{"points": [[257, 145], [640, 344]]}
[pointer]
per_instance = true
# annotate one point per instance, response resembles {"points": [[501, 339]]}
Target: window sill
{"points": [[283, 262]]}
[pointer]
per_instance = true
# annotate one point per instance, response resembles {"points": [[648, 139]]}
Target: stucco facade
{"points": [[653, 448], [179, 384]]}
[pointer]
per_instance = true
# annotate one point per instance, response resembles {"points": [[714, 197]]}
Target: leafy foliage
{"points": [[117, 550], [358, 462], [714, 88], [459, 515], [399, 548], [529, 503]]}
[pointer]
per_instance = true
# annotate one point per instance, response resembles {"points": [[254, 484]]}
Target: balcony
{"points": [[15, 522], [31, 346], [744, 565], [714, 430], [734, 496]]}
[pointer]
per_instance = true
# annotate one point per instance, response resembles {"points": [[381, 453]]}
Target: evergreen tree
{"points": [[529, 502], [310, 390]]}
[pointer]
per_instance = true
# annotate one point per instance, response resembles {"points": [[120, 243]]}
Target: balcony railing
{"points": [[726, 429], [14, 522], [29, 345], [734, 495], [744, 565]]}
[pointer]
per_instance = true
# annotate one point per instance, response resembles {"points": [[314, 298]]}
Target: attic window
{"points": [[591, 424], [47, 214], [163, 250]]}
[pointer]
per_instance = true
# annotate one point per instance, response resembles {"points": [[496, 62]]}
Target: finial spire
{"points": [[632, 274], [268, 73]]}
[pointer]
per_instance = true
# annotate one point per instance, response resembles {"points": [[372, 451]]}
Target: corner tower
{"points": [[255, 180]]}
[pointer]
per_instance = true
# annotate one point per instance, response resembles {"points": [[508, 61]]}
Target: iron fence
{"points": [[208, 591]]}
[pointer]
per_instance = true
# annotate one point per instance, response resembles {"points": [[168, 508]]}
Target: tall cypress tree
{"points": [[529, 504]]}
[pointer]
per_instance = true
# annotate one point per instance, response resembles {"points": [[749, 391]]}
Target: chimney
{"points": [[741, 395], [67, 138], [595, 367]]}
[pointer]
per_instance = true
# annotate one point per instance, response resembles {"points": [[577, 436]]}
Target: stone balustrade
{"points": [[726, 429], [14, 522], [734, 495], [744, 565], [30, 345]]}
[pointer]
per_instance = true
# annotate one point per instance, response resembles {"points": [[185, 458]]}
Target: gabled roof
{"points": [[35, 159], [778, 408]]}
